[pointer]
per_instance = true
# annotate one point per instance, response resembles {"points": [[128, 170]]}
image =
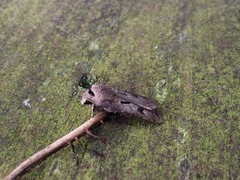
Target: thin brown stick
{"points": [[55, 146]]}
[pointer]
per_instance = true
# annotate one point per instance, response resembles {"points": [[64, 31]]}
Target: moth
{"points": [[105, 98]]}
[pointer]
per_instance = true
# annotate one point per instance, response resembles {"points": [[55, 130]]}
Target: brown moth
{"points": [[110, 100]]}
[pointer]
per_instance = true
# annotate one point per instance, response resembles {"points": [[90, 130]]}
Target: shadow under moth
{"points": [[114, 101]]}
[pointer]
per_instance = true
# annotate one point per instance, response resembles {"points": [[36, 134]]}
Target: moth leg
{"points": [[84, 146], [96, 137], [96, 110], [72, 147], [93, 110], [75, 154]]}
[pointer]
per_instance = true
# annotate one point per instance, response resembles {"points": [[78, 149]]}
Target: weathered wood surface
{"points": [[184, 54]]}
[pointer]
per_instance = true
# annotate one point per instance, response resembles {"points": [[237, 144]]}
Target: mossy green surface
{"points": [[184, 54]]}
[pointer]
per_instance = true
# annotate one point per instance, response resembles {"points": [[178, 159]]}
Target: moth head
{"points": [[88, 97]]}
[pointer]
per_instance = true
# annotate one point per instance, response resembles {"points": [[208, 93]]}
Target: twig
{"points": [[55, 146]]}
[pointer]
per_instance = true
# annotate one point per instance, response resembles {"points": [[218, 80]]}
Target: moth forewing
{"points": [[137, 99], [111, 100]]}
